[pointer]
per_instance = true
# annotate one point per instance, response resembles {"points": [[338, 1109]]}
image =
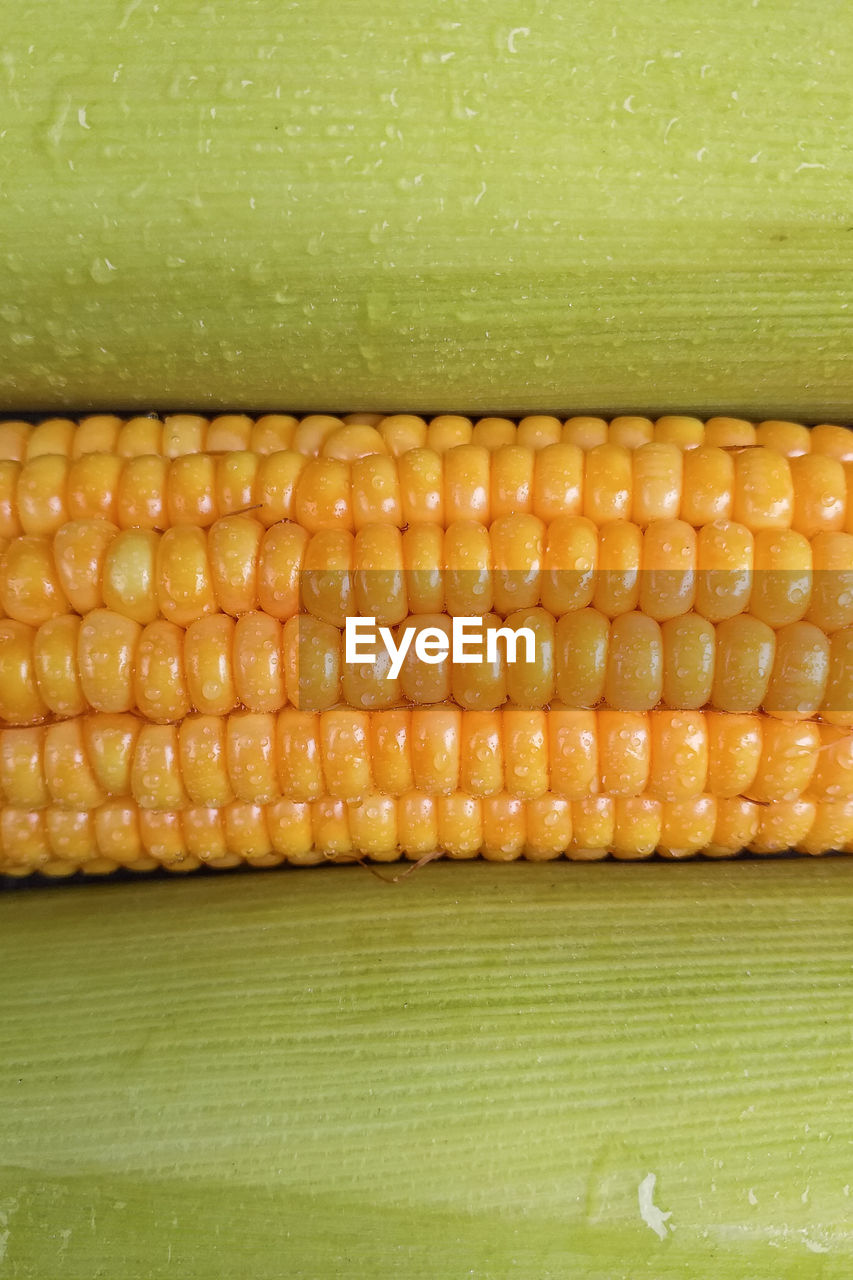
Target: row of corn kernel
{"points": [[120, 834], [257, 757], [107, 662], [355, 435], [758, 487], [238, 565], [518, 562]]}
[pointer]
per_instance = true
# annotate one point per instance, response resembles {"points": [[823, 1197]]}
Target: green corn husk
{"points": [[472, 1072], [476, 205]]}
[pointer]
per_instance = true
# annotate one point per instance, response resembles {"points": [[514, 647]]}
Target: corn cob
{"points": [[172, 642], [356, 435]]}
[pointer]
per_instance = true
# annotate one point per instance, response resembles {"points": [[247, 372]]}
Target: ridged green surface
{"points": [[471, 1073], [469, 205]]}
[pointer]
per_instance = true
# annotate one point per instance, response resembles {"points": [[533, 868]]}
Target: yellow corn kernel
{"points": [[630, 432], [585, 432], [251, 757], [782, 577], [573, 752], [708, 483], [569, 564], [40, 494], [106, 653], [548, 828], [558, 481], [258, 662], [322, 499], [531, 681], [511, 481], [832, 828], [467, 485], [734, 751], [687, 826], [229, 432], [790, 438], [312, 663], [482, 685], [593, 823], [417, 824], [402, 432], [468, 587], [204, 760], [688, 661], [22, 778], [448, 431], [525, 749], [422, 557], [481, 753], [833, 441], [493, 433], [54, 663], [184, 583], [92, 487], [80, 548], [275, 486], [789, 755], [159, 685], [421, 473], [208, 665], [656, 483], [427, 682], [460, 825], [800, 672], [624, 752], [378, 574], [679, 754], [155, 776], [30, 587], [830, 605], [763, 489], [820, 494], [607, 487], [289, 827], [21, 699], [68, 772], [110, 743], [581, 657], [390, 755], [668, 576], [141, 494], [634, 665], [327, 576], [279, 574], [138, 437], [129, 574], [636, 826], [687, 433], [183, 433], [376, 494], [191, 490], [782, 825], [724, 570], [735, 828], [729, 433], [743, 663]]}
